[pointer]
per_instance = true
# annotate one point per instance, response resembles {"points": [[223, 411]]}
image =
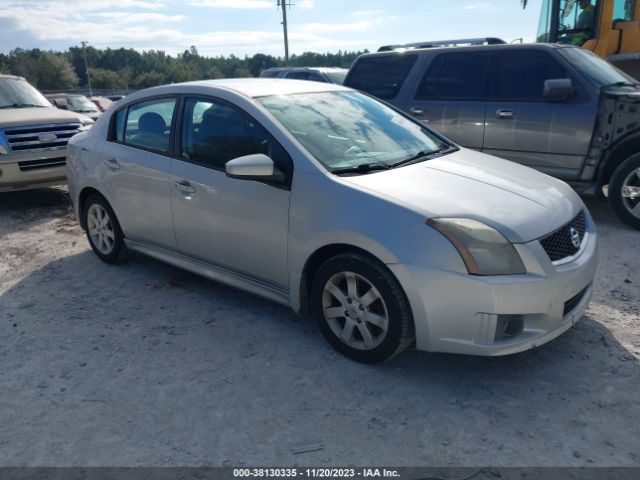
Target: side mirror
{"points": [[61, 103], [558, 89], [253, 167]]}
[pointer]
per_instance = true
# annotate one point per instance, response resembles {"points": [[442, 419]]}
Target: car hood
{"points": [[17, 117], [522, 203]]}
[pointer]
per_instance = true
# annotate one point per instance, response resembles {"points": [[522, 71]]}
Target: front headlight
{"points": [[86, 125], [483, 249]]}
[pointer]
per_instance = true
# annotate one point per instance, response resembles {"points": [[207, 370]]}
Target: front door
{"points": [[551, 136], [239, 225], [136, 162]]}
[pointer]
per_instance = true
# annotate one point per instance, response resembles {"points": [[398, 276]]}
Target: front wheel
{"points": [[361, 308], [624, 191]]}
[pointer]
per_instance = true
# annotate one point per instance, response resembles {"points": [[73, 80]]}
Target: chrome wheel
{"points": [[631, 192], [100, 229], [355, 310]]}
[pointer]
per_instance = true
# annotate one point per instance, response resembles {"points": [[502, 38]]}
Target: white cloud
{"points": [[480, 6], [233, 3], [339, 27]]}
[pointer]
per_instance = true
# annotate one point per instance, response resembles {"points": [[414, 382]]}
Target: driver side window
{"points": [[214, 132]]}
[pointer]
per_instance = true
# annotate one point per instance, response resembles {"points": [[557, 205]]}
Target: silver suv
{"points": [[558, 109], [33, 136]]}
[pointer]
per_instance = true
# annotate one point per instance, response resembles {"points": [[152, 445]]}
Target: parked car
{"points": [[103, 103], [33, 136], [329, 201], [75, 103], [315, 74], [559, 109]]}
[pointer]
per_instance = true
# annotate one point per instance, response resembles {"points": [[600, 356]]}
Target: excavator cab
{"points": [[609, 28]]}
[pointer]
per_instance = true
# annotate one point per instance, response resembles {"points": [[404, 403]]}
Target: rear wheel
{"points": [[361, 308], [624, 191], [103, 230]]}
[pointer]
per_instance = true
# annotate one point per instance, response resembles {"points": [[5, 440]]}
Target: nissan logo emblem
{"points": [[575, 237], [47, 137]]}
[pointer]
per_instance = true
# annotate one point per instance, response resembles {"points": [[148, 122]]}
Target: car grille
{"points": [[40, 164], [38, 138], [559, 244]]}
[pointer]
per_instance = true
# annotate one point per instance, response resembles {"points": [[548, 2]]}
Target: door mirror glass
{"points": [[257, 166], [60, 103], [558, 89]]}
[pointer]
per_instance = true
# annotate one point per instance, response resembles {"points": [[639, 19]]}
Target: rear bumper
{"points": [[460, 313], [25, 171]]}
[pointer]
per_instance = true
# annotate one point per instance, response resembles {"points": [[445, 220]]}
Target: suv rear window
{"points": [[381, 76], [456, 76]]}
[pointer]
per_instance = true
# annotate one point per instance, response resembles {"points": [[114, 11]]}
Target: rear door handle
{"points": [[503, 114], [185, 187], [112, 163], [417, 111]]}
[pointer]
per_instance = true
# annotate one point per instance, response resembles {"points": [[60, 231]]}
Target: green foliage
{"points": [[44, 70], [126, 68]]}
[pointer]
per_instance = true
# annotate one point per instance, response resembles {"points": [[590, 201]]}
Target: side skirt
{"points": [[212, 272]]}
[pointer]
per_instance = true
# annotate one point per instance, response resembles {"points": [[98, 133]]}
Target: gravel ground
{"points": [[145, 364]]}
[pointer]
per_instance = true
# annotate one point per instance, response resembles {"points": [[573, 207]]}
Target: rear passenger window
{"points": [[520, 75], [149, 123], [455, 76], [118, 126], [381, 76]]}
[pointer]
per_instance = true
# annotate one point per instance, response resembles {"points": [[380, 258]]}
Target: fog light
{"points": [[509, 326]]}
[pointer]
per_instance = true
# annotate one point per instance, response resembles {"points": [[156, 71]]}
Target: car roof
{"points": [[13, 77], [261, 87], [467, 48], [319, 69]]}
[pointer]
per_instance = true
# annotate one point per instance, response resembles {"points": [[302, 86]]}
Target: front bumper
{"points": [[32, 170], [458, 313]]}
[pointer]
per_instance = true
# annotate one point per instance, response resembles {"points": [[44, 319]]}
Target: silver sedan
{"points": [[324, 199]]}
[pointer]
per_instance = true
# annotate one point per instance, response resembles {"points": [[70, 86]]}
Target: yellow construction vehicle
{"points": [[609, 28]]}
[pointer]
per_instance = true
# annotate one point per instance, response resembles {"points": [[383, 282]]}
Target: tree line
{"points": [[126, 68]]}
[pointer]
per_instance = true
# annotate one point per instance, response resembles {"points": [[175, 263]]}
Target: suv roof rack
{"points": [[445, 43]]}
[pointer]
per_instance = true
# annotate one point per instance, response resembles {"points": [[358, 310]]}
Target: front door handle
{"points": [[112, 163], [416, 111], [503, 114], [185, 187]]}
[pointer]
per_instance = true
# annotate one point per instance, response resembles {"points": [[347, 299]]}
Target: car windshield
{"points": [[16, 93], [594, 68], [337, 76], [349, 129], [80, 104]]}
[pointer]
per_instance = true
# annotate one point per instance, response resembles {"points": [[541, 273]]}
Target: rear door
{"points": [[451, 96], [136, 163], [551, 136]]}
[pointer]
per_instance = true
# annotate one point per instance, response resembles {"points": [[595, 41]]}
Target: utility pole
{"points": [[283, 4], [86, 66]]}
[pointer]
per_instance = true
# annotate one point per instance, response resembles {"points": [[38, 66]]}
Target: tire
{"points": [[374, 317], [626, 207], [103, 230]]}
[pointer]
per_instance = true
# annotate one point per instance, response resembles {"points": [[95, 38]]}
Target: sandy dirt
{"points": [[144, 364]]}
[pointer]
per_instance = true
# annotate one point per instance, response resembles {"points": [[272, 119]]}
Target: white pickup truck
{"points": [[33, 136]]}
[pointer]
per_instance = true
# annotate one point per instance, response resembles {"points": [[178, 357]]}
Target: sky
{"points": [[246, 27]]}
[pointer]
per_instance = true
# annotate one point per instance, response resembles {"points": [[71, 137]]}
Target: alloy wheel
{"points": [[355, 310], [100, 229], [631, 192]]}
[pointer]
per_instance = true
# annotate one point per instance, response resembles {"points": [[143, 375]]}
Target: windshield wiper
{"points": [[362, 168], [621, 84], [416, 157], [21, 105]]}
